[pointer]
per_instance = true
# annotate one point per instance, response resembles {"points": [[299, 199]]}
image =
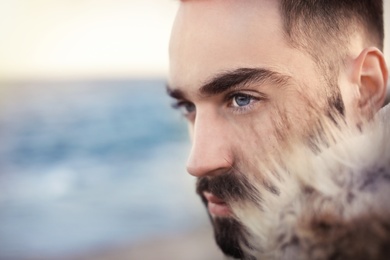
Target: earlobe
{"points": [[370, 74]]}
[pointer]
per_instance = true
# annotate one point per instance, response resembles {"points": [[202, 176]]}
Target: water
{"points": [[91, 164]]}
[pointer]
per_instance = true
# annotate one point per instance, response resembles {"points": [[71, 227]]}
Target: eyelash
{"points": [[242, 109], [181, 104]]}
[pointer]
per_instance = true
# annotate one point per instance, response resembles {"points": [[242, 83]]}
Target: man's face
{"points": [[244, 91]]}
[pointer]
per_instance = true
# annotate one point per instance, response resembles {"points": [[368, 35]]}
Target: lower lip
{"points": [[219, 210]]}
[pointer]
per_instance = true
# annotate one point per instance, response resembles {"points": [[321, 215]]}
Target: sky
{"points": [[84, 38], [54, 39]]}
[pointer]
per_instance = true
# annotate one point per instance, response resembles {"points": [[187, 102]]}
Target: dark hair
{"points": [[334, 17], [324, 29], [327, 25]]}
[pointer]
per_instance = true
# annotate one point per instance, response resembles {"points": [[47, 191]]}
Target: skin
{"points": [[247, 123]]}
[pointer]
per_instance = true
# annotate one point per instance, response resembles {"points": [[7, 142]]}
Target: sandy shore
{"points": [[196, 245]]}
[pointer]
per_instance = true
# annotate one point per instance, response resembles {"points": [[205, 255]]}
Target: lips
{"points": [[216, 206]]}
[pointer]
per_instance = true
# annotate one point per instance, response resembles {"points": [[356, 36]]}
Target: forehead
{"points": [[210, 37]]}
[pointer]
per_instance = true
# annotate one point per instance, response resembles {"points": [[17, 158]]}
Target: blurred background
{"points": [[92, 157]]}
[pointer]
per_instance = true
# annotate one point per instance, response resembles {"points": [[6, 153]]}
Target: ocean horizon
{"points": [[91, 164]]}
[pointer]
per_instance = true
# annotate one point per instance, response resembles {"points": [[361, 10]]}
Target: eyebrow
{"points": [[234, 79]]}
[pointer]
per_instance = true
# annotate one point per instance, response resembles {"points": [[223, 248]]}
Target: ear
{"points": [[370, 74]]}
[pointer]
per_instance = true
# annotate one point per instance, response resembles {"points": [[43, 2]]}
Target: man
{"points": [[252, 75]]}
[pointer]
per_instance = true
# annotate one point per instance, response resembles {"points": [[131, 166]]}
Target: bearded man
{"points": [[267, 87]]}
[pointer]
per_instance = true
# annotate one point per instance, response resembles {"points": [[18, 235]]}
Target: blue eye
{"points": [[241, 100]]}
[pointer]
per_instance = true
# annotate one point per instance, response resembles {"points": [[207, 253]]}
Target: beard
{"points": [[229, 233], [234, 187]]}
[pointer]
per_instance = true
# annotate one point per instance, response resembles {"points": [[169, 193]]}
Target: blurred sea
{"points": [[86, 165]]}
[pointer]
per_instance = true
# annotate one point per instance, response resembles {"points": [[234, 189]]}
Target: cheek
{"points": [[259, 134], [298, 112], [289, 118]]}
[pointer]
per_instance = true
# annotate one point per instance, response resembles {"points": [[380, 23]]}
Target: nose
{"points": [[211, 152]]}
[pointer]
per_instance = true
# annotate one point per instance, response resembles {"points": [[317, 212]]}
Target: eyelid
{"points": [[176, 104], [180, 106], [254, 95], [250, 93], [180, 103]]}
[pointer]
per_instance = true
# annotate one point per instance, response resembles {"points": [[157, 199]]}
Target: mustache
{"points": [[229, 186]]}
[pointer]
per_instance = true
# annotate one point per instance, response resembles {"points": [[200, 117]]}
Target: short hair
{"points": [[324, 30], [323, 27], [334, 17]]}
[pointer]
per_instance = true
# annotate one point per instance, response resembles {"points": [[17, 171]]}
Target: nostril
{"points": [[209, 162], [211, 170], [198, 170], [194, 172]]}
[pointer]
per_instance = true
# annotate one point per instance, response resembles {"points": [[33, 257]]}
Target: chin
{"points": [[229, 235], [333, 202]]}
